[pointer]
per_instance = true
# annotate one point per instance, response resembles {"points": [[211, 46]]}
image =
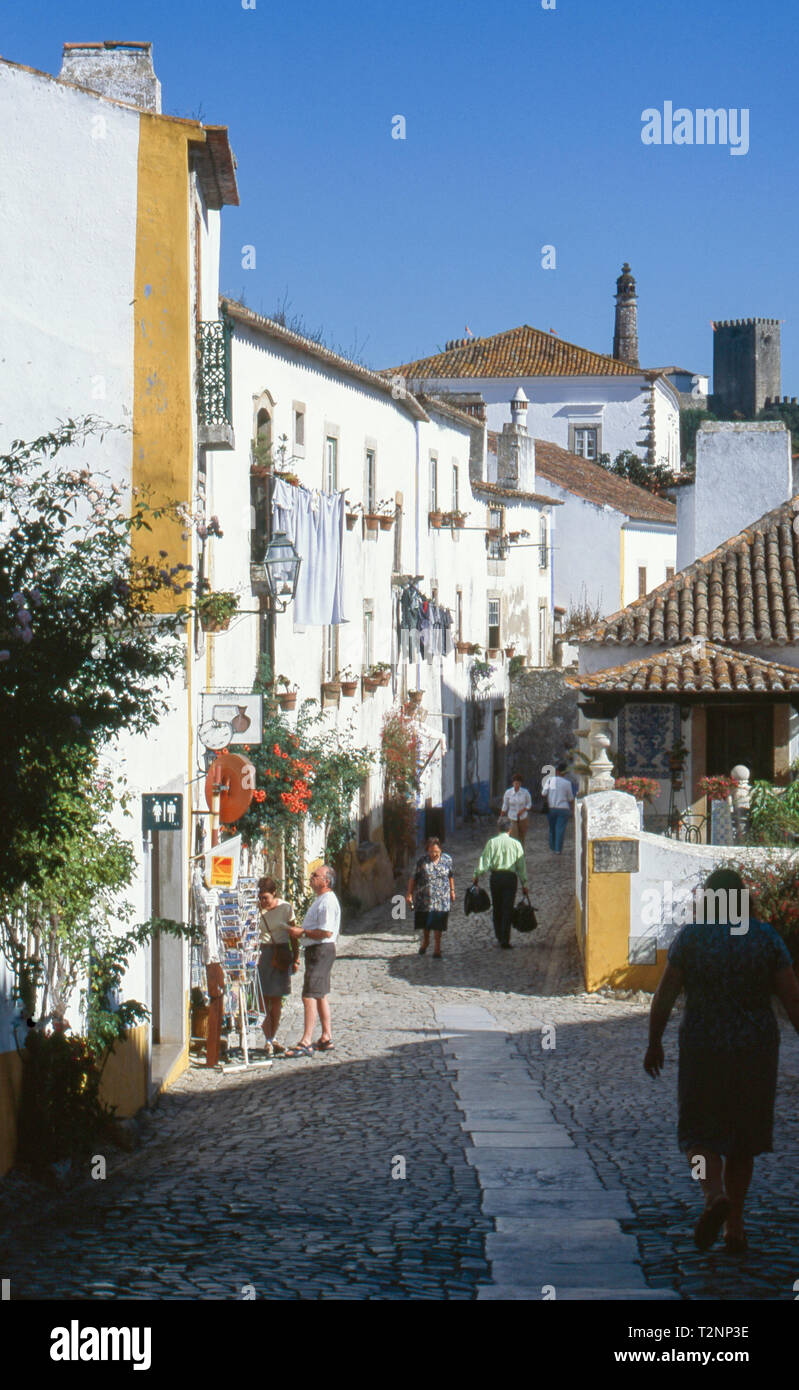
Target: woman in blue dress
{"points": [[431, 893], [729, 1043]]}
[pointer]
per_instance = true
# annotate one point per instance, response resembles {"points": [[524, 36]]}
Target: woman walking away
{"points": [[431, 893], [503, 860], [729, 1042], [278, 960], [559, 795]]}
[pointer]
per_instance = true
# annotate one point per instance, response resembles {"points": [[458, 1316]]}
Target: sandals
{"points": [[324, 1045], [711, 1221], [298, 1051]]}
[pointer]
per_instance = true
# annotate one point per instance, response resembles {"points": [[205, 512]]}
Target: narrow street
{"points": [[278, 1183]]}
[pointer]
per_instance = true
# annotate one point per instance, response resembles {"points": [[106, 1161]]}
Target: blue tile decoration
{"points": [[646, 735]]}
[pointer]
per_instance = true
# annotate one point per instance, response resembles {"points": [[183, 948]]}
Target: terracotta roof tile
{"points": [[746, 590], [692, 668], [517, 352], [596, 484]]}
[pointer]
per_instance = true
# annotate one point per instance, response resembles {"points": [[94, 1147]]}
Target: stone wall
{"points": [[543, 713]]}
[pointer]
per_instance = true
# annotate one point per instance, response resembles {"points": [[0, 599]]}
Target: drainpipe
{"points": [[417, 530]]}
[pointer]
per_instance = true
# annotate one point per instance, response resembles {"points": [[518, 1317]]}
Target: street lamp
{"points": [[279, 572]]}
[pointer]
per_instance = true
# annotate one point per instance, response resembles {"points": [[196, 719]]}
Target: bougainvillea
{"points": [[642, 788], [716, 788]]}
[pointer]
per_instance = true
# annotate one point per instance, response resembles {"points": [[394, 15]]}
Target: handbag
{"points": [[523, 917], [282, 956], [476, 899]]}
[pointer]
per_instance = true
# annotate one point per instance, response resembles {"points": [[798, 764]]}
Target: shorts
{"points": [[318, 965]]}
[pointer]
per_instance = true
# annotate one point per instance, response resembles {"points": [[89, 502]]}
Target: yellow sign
{"points": [[222, 871]]}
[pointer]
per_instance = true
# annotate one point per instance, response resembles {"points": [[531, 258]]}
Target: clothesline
{"points": [[424, 626]]}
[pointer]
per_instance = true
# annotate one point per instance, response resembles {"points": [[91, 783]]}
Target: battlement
{"points": [[744, 323]]}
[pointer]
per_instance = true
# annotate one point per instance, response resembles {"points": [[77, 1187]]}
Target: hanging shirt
{"points": [[315, 525]]}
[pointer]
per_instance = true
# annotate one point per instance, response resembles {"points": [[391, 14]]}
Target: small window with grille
{"points": [[493, 622]]}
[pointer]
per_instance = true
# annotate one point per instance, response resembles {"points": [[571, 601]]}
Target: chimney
{"points": [[114, 69], [625, 338], [516, 449]]}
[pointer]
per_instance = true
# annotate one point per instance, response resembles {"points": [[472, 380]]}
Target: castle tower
{"points": [[625, 337], [746, 365]]}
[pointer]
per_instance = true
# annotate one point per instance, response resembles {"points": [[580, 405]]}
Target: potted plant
{"points": [[380, 672], [463, 648], [436, 520], [370, 682], [216, 609], [349, 681], [473, 648], [716, 788], [386, 513], [352, 513], [677, 755], [371, 520], [510, 650], [493, 653], [458, 519], [415, 698], [287, 697], [288, 477], [332, 688]]}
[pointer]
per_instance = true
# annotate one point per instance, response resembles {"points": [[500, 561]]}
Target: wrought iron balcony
{"points": [[214, 408]]}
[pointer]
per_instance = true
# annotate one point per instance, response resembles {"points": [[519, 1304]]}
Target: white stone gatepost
{"points": [[601, 779]]}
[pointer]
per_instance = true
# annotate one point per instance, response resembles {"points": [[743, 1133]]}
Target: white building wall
{"points": [[742, 471], [649, 547], [615, 404]]}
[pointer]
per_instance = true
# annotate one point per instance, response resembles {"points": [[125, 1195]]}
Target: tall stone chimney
{"points": [[114, 69], [625, 337], [516, 449]]}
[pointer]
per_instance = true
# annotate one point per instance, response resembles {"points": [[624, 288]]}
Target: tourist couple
{"points": [[280, 959]]}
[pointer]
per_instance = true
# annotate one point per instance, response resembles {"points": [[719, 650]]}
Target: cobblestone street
{"points": [[281, 1178]]}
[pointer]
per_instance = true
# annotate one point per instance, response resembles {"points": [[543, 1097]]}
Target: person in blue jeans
{"points": [[559, 793]]}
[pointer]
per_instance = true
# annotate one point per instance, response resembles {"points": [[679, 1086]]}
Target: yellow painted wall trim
{"points": [[163, 345]]}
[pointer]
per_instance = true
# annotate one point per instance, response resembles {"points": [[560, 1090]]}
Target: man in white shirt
{"points": [[559, 793], [321, 926], [516, 808]]}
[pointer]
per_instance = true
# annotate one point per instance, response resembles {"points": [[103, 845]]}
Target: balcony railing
{"points": [[214, 410]]}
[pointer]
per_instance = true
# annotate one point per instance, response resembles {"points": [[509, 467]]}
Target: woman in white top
{"points": [[278, 960]]}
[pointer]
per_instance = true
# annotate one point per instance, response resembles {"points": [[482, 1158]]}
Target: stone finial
{"points": [[601, 779], [742, 793]]}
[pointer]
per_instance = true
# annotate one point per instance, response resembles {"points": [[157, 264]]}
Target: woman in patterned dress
{"points": [[431, 893], [729, 1042]]}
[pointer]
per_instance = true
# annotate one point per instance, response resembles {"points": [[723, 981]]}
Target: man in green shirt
{"points": [[503, 860]]}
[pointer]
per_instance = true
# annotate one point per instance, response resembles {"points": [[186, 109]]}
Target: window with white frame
{"points": [[585, 441], [299, 427], [493, 623], [495, 515], [330, 652], [459, 615], [433, 483], [368, 633], [542, 543], [543, 645], [371, 481], [455, 488], [331, 464]]}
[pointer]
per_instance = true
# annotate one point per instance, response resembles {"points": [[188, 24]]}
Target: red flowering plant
{"points": [[642, 788], [716, 788], [305, 770], [774, 896]]}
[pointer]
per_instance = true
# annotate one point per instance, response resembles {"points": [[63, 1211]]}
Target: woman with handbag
{"points": [[279, 958]]}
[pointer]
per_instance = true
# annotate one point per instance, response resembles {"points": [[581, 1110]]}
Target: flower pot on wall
{"points": [[386, 523], [349, 688], [370, 683], [351, 517], [371, 521], [509, 652], [459, 522], [209, 624], [435, 519], [332, 689], [415, 698], [493, 653], [287, 699]]}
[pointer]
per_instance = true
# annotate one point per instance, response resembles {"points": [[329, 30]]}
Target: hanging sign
{"points": [[162, 811], [222, 864]]}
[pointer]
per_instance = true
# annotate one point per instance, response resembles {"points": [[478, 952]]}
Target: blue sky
{"points": [[523, 129]]}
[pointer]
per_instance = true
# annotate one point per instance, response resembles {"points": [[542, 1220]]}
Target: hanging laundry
{"points": [[314, 522]]}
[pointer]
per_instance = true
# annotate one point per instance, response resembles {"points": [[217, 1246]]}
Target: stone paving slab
{"points": [[498, 1293], [544, 1137], [544, 1203]]}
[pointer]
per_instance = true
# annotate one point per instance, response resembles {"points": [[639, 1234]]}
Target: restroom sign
{"points": [[162, 811]]}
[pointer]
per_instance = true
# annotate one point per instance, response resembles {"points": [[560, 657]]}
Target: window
{"points": [[455, 492], [543, 646], [433, 483], [331, 464], [585, 441], [371, 480], [368, 635], [495, 517], [259, 512], [299, 428], [669, 571], [542, 543], [459, 615], [641, 580], [493, 623], [330, 653]]}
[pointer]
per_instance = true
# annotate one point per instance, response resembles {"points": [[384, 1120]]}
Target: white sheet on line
{"points": [[315, 524]]}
